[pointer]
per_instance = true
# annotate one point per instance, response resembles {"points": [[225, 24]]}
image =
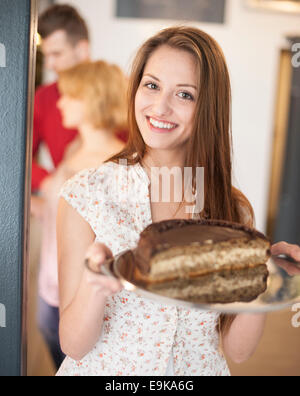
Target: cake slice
{"points": [[208, 261]]}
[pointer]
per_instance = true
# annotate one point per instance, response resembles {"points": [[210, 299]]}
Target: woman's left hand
{"points": [[288, 249]]}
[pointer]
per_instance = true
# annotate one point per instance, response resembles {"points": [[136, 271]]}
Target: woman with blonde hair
{"points": [[179, 116], [93, 100]]}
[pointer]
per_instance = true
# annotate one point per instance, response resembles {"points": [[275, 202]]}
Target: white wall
{"points": [[251, 41]]}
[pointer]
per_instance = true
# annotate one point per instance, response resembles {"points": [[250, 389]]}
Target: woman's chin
{"points": [[157, 143], [157, 146]]}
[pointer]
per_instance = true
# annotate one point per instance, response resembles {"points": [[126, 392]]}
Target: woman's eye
{"points": [[185, 95], [151, 86]]}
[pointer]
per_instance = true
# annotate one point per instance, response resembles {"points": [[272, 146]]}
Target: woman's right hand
{"points": [[96, 255]]}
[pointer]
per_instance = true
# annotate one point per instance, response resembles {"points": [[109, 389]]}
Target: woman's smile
{"points": [[160, 126]]}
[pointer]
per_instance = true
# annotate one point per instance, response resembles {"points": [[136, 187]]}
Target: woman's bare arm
{"points": [[82, 294], [243, 337]]}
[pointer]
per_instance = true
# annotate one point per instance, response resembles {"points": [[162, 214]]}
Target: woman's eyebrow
{"points": [[187, 85], [178, 85]]}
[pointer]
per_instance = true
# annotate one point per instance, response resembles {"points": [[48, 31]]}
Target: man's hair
{"points": [[66, 18]]}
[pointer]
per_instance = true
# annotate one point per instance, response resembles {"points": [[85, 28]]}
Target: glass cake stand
{"points": [[283, 289]]}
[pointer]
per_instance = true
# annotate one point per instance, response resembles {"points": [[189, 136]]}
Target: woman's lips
{"points": [[158, 129]]}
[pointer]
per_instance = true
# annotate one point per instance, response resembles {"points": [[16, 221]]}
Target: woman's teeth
{"points": [[161, 125]]}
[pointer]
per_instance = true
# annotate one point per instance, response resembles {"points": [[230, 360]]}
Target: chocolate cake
{"points": [[207, 261]]}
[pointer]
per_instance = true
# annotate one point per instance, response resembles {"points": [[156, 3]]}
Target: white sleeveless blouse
{"points": [[139, 336]]}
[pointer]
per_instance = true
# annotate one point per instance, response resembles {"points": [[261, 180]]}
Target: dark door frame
{"points": [[18, 28]]}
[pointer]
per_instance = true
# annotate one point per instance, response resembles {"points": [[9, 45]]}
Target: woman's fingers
{"points": [[104, 284], [287, 249], [98, 249], [111, 285], [96, 256]]}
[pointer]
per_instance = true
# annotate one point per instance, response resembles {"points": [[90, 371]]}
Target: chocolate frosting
{"points": [[178, 232]]}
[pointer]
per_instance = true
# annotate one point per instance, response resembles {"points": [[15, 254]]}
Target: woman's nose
{"points": [[162, 104]]}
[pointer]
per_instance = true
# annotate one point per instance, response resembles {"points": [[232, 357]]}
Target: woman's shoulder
{"points": [[87, 186], [88, 180], [90, 175]]}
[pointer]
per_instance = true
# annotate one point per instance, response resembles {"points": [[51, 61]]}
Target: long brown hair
{"points": [[210, 145]]}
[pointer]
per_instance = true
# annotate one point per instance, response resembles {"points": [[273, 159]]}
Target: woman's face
{"points": [[166, 98], [72, 111]]}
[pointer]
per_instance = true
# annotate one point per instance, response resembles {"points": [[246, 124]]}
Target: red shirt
{"points": [[48, 129]]}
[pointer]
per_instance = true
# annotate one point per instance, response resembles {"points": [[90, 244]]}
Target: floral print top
{"points": [[139, 336]]}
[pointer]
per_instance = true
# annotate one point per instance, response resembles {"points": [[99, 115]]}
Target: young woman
{"points": [[179, 116], [94, 102]]}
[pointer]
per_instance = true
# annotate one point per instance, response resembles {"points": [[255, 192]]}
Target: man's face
{"points": [[59, 53]]}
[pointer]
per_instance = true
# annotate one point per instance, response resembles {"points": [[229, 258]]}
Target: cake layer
{"points": [[164, 240], [222, 287], [194, 260]]}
